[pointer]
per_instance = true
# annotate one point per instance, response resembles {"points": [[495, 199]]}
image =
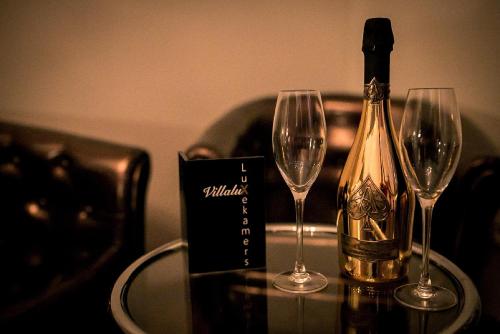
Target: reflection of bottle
{"points": [[370, 309], [375, 215]]}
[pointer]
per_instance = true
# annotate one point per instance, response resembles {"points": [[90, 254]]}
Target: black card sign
{"points": [[223, 213]]}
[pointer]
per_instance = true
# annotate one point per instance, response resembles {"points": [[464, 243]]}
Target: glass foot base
{"points": [[304, 283], [440, 300]]}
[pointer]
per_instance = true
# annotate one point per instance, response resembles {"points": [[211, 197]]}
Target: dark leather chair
{"points": [[470, 234], [464, 218], [71, 220]]}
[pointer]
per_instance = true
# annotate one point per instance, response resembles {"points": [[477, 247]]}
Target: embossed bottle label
{"points": [[368, 201], [369, 250], [369, 205]]}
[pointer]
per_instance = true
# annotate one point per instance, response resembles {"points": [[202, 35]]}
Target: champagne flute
{"points": [[430, 141], [299, 146]]}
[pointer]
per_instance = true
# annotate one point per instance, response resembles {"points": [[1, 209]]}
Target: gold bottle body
{"points": [[375, 206]]}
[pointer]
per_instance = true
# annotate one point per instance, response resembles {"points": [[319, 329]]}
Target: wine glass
{"points": [[299, 146], [430, 141]]}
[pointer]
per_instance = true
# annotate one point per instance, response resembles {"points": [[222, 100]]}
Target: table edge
{"points": [[120, 287]]}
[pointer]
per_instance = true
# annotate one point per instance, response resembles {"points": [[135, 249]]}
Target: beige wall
{"points": [[157, 73]]}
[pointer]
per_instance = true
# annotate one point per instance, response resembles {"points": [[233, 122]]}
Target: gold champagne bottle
{"points": [[375, 206]]}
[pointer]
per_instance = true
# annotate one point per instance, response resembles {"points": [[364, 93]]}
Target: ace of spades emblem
{"points": [[366, 202]]}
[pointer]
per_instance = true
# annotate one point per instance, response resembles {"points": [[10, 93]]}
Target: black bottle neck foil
{"points": [[377, 46]]}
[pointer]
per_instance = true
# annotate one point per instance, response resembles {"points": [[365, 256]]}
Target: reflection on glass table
{"points": [[157, 295]]}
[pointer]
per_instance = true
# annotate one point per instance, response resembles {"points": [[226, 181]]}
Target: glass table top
{"points": [[157, 295]]}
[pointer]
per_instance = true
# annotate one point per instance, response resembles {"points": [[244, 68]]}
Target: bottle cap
{"points": [[377, 35]]}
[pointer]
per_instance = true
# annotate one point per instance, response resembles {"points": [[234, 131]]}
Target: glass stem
{"points": [[299, 271], [424, 288]]}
